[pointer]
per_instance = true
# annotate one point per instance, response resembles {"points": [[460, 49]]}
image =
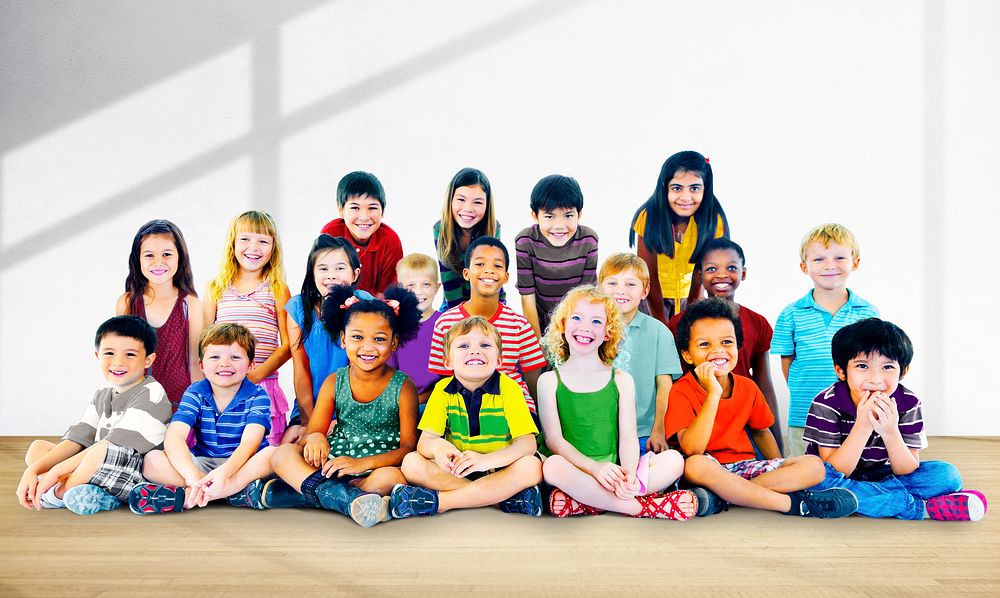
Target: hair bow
{"points": [[365, 296]]}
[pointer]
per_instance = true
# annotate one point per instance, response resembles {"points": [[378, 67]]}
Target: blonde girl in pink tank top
{"points": [[251, 290]]}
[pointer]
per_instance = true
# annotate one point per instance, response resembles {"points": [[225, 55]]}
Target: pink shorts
{"points": [[279, 409]]}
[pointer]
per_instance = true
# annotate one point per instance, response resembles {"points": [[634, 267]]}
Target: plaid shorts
{"points": [[120, 472], [750, 468]]}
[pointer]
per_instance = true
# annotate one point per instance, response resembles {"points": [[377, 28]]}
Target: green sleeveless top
{"points": [[589, 420], [365, 429]]}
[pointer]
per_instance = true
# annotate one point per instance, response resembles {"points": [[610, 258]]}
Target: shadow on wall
{"points": [[112, 62]]}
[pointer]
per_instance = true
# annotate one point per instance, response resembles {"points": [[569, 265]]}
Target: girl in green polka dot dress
{"points": [[372, 406]]}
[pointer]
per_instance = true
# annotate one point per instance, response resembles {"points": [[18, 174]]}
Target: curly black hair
{"points": [[708, 309], [404, 325]]}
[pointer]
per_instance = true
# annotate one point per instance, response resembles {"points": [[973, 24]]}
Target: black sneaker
{"points": [[709, 503], [526, 502], [832, 503]]}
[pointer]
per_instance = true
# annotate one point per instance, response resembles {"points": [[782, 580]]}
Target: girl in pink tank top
{"points": [[160, 289], [251, 290]]}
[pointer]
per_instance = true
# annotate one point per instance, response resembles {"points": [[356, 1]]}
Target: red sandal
{"points": [[664, 506], [570, 506]]}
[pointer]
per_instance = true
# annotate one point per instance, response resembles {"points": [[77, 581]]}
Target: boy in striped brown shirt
{"points": [[556, 254], [869, 430]]}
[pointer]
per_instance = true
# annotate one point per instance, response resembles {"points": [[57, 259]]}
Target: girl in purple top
{"points": [[869, 430]]}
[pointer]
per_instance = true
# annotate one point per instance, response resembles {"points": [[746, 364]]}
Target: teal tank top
{"points": [[589, 420]]}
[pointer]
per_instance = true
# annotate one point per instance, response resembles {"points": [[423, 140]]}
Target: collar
{"points": [[853, 300], [203, 388], [491, 386]]}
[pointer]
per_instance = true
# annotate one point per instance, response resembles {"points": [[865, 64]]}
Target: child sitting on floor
{"points": [[99, 460], [477, 445], [869, 430], [230, 417], [588, 413], [353, 467], [708, 411]]}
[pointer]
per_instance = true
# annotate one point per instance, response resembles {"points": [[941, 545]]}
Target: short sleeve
{"points": [[667, 360], [189, 410], [590, 266], [435, 359], [435, 417], [530, 355], [911, 428], [680, 412], [515, 410], [822, 424], [259, 411], [761, 417], [524, 253], [783, 340]]}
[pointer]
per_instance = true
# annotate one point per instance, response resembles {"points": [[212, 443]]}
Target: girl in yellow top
{"points": [[671, 228]]}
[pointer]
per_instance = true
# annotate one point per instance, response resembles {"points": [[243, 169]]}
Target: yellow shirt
{"points": [[674, 273]]}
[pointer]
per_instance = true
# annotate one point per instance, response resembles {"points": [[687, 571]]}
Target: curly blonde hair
{"points": [[555, 335]]}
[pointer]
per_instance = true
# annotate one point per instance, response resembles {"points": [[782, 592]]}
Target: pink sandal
{"points": [[571, 506], [665, 506], [964, 505]]}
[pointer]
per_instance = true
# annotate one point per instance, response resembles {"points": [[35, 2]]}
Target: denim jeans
{"points": [[900, 496]]}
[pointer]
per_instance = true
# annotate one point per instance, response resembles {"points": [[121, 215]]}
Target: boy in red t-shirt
{"points": [[706, 415], [723, 267]]}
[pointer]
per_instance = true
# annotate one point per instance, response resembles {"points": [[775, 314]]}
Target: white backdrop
{"points": [[880, 116]]}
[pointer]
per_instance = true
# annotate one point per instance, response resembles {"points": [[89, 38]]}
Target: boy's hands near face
{"points": [[865, 417], [883, 415], [705, 372]]}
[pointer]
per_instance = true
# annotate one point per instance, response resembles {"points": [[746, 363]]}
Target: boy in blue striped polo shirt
{"points": [[229, 417], [805, 329]]}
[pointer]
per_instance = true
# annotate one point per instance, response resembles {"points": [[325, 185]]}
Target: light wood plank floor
{"points": [[222, 550]]}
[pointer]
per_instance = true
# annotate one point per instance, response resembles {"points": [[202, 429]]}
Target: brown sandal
{"points": [[570, 506], [664, 506]]}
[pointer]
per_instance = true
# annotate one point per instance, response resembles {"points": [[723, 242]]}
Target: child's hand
{"points": [[705, 372], [343, 466], [469, 462], [883, 414], [656, 443], [26, 489], [45, 482], [316, 450], [627, 489], [193, 497], [445, 455], [210, 487], [608, 475], [865, 417]]}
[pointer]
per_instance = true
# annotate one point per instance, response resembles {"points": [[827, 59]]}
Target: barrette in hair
{"points": [[393, 304], [358, 295], [706, 159]]}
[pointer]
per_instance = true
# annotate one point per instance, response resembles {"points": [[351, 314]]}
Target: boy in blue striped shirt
{"points": [[228, 417], [805, 329]]}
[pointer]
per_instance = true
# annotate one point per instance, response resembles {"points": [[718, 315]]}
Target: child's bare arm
{"points": [[657, 438], [196, 322], [177, 451], [437, 449], [282, 353], [28, 487], [531, 379], [765, 442], [208, 307], [530, 309], [628, 439], [213, 484], [845, 457], [902, 459], [549, 415], [786, 364], [655, 297], [301, 375], [761, 374], [694, 439]]}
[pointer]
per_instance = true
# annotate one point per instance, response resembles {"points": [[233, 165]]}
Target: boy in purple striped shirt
{"points": [[556, 254], [869, 431]]}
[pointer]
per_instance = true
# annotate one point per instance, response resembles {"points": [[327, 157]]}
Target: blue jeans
{"points": [[900, 496], [642, 445]]}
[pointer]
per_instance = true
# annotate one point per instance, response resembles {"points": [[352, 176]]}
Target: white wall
{"points": [[880, 116]]}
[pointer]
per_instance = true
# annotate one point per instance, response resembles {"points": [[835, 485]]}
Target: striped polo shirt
{"points": [[832, 416], [520, 352], [805, 330], [549, 272], [218, 434], [484, 420]]}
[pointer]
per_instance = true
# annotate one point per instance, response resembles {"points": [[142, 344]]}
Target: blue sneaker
{"points": [[709, 503], [87, 499], [412, 501], [526, 502], [250, 497]]}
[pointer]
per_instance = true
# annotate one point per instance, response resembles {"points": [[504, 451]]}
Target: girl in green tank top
{"points": [[587, 411]]}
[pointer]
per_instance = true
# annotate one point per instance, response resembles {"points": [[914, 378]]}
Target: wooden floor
{"points": [[222, 550]]}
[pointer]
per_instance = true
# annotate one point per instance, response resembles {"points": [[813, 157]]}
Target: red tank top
{"points": [[171, 366]]}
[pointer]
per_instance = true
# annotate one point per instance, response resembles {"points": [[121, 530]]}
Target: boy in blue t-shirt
{"points": [[229, 417], [804, 329]]}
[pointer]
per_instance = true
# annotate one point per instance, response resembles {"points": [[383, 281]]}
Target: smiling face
{"points": [[868, 373], [685, 192], [722, 271], [468, 206], [586, 327], [362, 216], [158, 259], [627, 289], [253, 251], [473, 357], [714, 340], [829, 266], [422, 284], [332, 268], [368, 340], [225, 366], [487, 271], [123, 360], [557, 225]]}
